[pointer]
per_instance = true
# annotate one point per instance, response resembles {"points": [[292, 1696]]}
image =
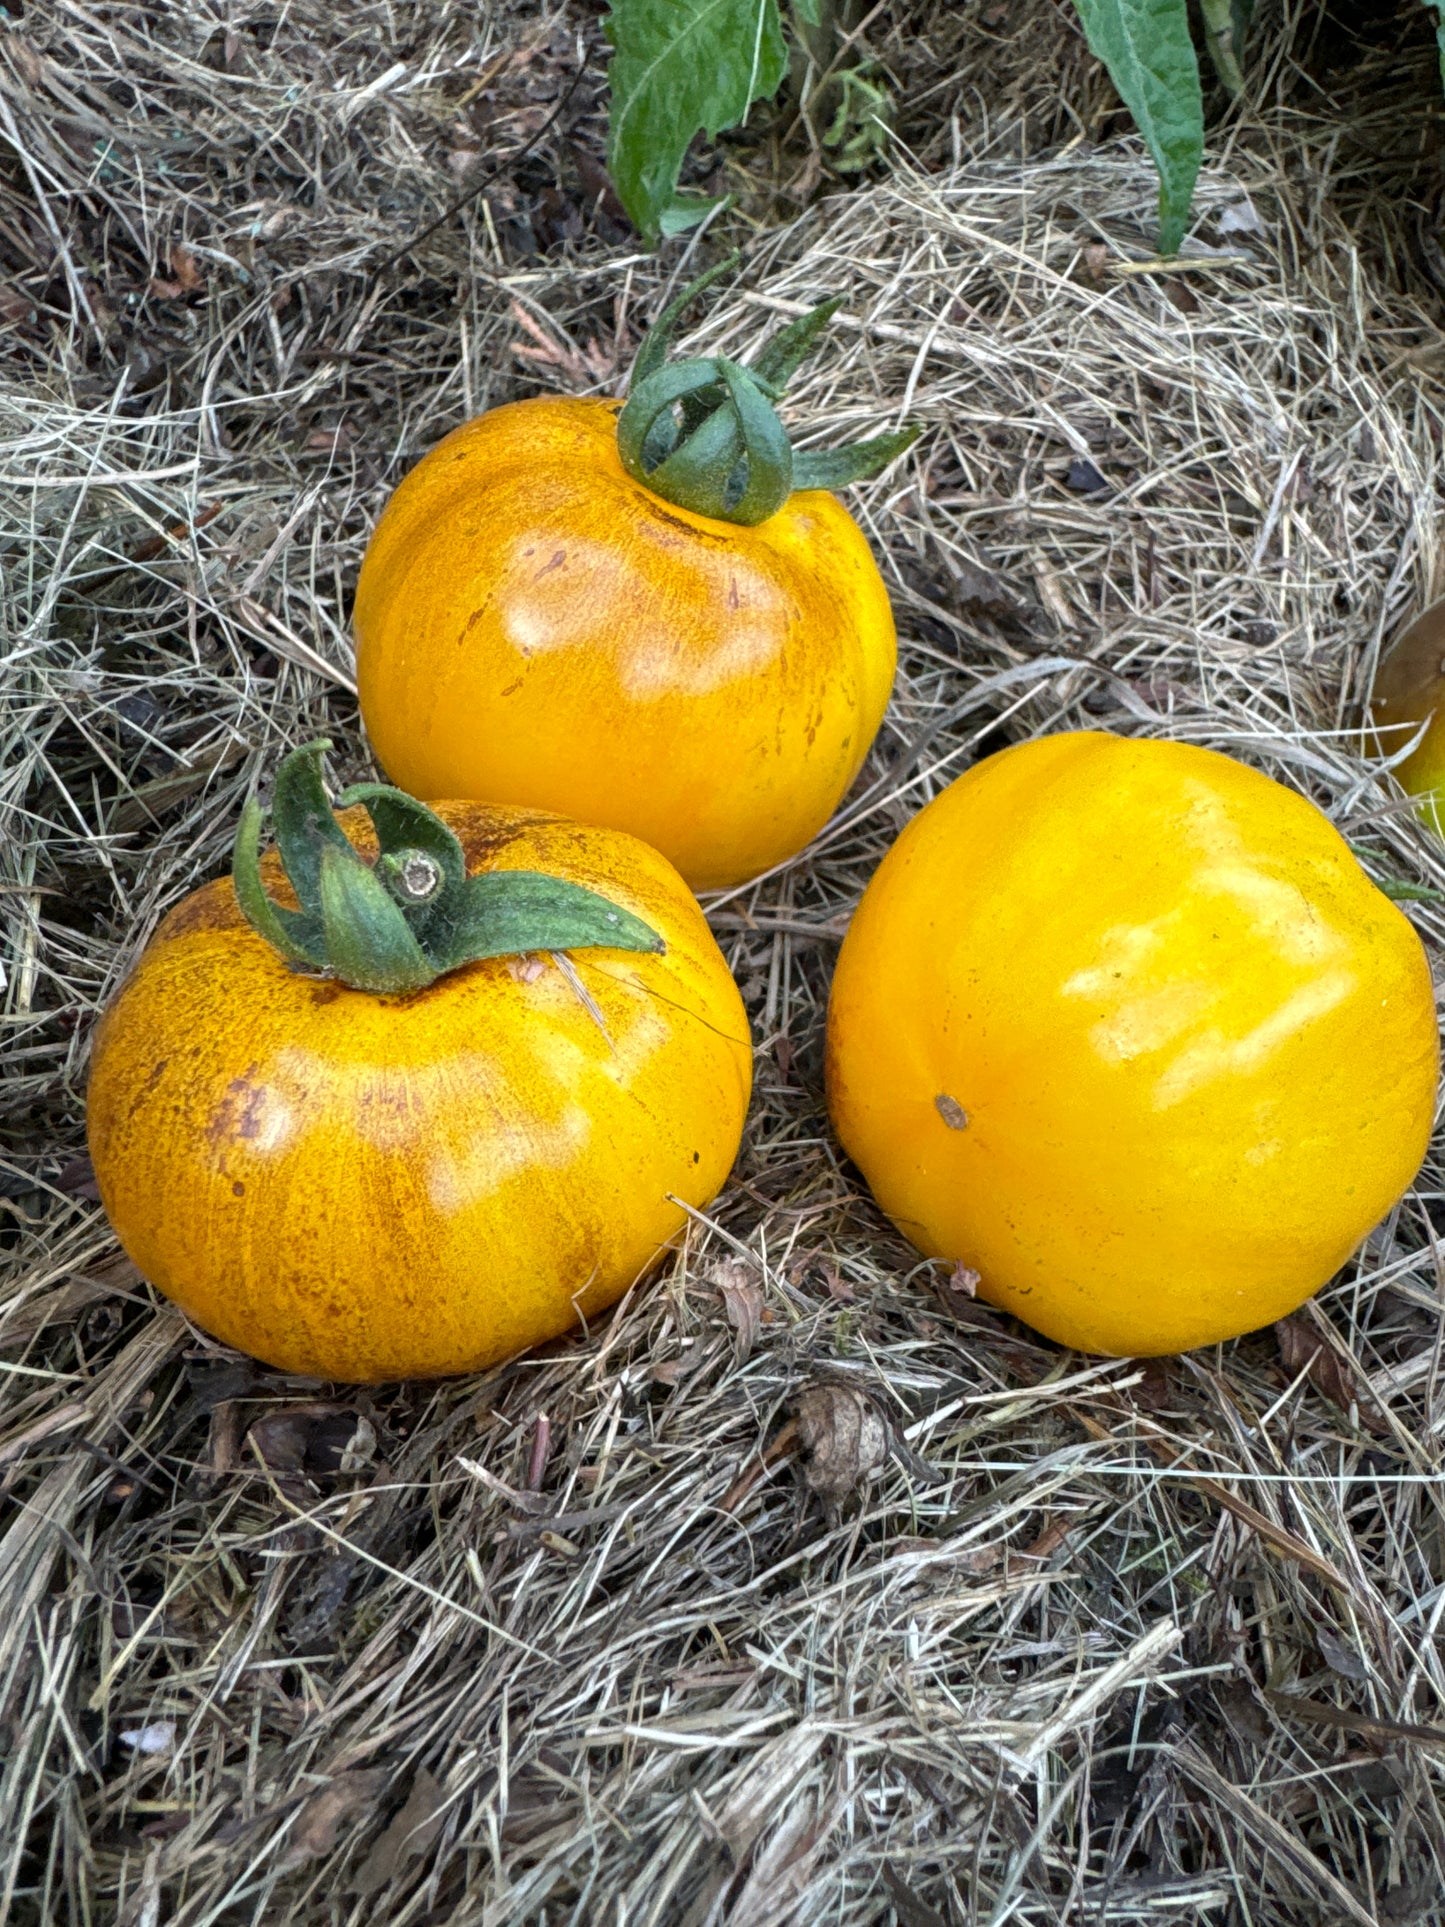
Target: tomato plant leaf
{"points": [[1439, 7], [1147, 48], [1223, 31], [506, 912], [680, 66]]}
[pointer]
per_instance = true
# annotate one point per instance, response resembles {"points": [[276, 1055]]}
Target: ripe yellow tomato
{"points": [[534, 626], [1123, 1027], [1410, 690], [357, 1186]]}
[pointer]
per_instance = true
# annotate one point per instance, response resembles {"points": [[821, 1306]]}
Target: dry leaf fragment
{"points": [[340, 1804], [1341, 1658], [1303, 1348], [844, 1437], [838, 1287], [15, 308], [411, 1832], [527, 968], [911, 1911], [313, 1438], [1083, 478], [964, 1280], [743, 1302], [1096, 261], [186, 270], [1155, 1390], [1241, 218]]}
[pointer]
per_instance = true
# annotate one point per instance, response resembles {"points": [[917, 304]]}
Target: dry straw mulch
{"points": [[807, 1589]]}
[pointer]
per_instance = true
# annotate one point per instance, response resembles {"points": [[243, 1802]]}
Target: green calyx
{"points": [[704, 434], [414, 914]]}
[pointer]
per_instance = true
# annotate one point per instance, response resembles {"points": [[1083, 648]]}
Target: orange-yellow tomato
{"points": [[1410, 690], [1123, 1027], [533, 626], [375, 1187]]}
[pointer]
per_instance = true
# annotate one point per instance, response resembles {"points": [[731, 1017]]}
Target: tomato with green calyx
{"points": [[660, 620], [1123, 1027], [360, 1113]]}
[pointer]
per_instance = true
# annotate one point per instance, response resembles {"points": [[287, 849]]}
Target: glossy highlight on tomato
{"points": [[359, 1186], [1124, 1027], [535, 626]]}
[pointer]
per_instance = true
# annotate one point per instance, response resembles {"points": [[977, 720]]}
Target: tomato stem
{"points": [[412, 916], [704, 434]]}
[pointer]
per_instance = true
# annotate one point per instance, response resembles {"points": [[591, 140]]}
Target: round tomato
{"points": [[536, 626], [1124, 1028], [357, 1186], [1409, 691]]}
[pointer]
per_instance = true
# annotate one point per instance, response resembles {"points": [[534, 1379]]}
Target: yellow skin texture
{"points": [[363, 1188], [534, 627], [1195, 1046]]}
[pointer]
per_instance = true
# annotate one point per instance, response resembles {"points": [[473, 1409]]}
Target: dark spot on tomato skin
{"points": [[239, 1112], [512, 687], [238, 1190], [697, 1157]]}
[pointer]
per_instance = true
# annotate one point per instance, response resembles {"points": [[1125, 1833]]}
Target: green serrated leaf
{"points": [[681, 66], [506, 912], [1146, 46]]}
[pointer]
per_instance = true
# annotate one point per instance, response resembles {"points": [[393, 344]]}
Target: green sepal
{"points": [[784, 355], [506, 912], [655, 343], [704, 435], [296, 935], [372, 931], [765, 442], [705, 469], [369, 943], [837, 467], [301, 811], [402, 823]]}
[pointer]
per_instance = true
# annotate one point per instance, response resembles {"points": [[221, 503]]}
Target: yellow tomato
{"points": [[357, 1186], [1410, 690], [534, 626], [1123, 1027]]}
